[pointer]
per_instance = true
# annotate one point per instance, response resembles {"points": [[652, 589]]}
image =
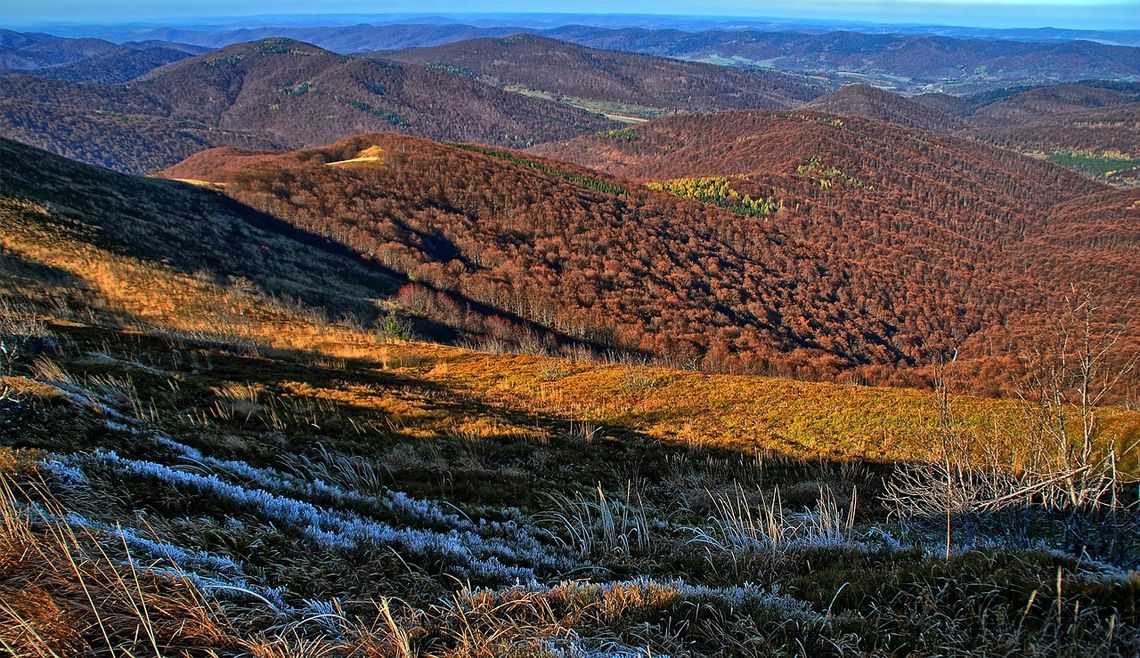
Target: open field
{"points": [[1098, 165]]}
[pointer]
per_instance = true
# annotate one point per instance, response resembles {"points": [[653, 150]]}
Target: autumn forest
{"points": [[550, 335]]}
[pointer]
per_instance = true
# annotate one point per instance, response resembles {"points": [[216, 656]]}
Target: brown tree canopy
{"points": [[889, 251]]}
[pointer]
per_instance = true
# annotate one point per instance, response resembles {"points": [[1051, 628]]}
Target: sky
{"points": [[1072, 14]]}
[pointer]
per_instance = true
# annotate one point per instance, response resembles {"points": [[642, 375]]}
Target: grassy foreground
{"points": [[193, 463], [170, 490]]}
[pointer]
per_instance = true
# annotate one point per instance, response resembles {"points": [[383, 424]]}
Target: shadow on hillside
{"points": [[522, 451], [194, 231], [24, 274], [235, 362], [528, 456]]}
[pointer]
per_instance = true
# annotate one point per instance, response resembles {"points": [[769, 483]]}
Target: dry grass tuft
{"points": [[67, 591]]}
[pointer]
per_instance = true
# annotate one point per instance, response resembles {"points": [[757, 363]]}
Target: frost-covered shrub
{"points": [[489, 552]]}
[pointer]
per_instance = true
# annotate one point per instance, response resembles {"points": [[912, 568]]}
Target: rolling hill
{"points": [[195, 459], [77, 60], [1012, 108], [1091, 127], [598, 77], [123, 64], [1096, 117], [1106, 138], [107, 125], [908, 62], [823, 248], [859, 100], [941, 212], [1024, 105], [275, 92], [24, 51]]}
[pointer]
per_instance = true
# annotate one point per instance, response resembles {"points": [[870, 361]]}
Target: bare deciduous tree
{"points": [[1068, 465], [1069, 381]]}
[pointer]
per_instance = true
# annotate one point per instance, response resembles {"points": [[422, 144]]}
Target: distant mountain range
{"points": [[913, 59], [514, 23], [348, 39], [143, 106], [80, 60], [960, 61], [595, 77], [904, 61], [274, 93]]}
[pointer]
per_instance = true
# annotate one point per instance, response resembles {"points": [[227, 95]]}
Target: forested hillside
{"points": [[1096, 117], [1093, 116], [940, 213], [275, 92], [860, 100], [586, 75], [812, 247]]}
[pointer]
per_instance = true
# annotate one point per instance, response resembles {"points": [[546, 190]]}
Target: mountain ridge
{"points": [[564, 69], [270, 94], [783, 269]]}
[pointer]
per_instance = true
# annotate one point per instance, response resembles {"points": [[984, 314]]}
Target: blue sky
{"points": [[1077, 14]]}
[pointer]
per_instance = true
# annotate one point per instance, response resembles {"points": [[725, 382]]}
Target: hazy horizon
{"points": [[1112, 15]]}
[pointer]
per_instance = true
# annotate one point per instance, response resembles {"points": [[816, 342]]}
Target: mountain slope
{"points": [[858, 254], [868, 102], [53, 207], [192, 462], [275, 92], [562, 69], [943, 213], [576, 253], [107, 125]]}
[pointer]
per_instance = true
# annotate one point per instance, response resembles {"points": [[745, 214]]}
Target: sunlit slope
{"points": [[968, 233], [163, 256], [205, 430]]}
